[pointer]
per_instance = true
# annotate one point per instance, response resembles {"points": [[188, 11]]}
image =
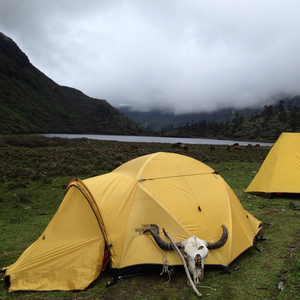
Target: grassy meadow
{"points": [[35, 170]]}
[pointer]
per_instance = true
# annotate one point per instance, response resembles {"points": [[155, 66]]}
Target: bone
{"points": [[184, 264]]}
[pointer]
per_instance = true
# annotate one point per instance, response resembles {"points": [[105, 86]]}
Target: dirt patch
{"points": [[268, 213]]}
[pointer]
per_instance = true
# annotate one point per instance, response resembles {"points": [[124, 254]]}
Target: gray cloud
{"points": [[181, 56]]}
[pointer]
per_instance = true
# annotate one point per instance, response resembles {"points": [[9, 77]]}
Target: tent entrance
{"points": [[70, 252]]}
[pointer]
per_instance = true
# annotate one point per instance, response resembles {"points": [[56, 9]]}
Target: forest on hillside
{"points": [[264, 126]]}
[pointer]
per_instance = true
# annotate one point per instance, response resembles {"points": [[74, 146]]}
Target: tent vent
{"points": [[216, 173]]}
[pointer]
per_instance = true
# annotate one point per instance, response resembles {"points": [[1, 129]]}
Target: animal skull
{"points": [[195, 251]]}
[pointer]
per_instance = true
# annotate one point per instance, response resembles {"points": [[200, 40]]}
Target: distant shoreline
{"points": [[155, 139]]}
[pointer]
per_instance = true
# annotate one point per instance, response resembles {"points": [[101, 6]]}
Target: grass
{"points": [[34, 172]]}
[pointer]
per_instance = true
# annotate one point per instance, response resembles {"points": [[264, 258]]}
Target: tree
{"points": [[268, 112], [280, 106]]}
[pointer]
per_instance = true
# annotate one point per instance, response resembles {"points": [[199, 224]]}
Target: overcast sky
{"points": [[175, 55]]}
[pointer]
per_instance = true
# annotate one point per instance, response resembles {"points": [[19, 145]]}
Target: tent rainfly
{"points": [[111, 212], [280, 171]]}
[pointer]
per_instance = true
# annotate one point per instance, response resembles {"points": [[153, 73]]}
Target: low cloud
{"points": [[172, 55]]}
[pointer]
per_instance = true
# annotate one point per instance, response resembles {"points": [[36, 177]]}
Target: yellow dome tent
{"points": [[280, 171], [111, 211]]}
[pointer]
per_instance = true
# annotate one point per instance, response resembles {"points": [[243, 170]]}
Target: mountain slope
{"points": [[30, 102], [157, 120], [264, 126]]}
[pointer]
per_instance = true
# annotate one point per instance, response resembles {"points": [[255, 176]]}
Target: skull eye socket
{"points": [[200, 248], [185, 254]]}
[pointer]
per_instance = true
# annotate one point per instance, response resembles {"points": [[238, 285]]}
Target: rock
{"points": [[294, 205]]}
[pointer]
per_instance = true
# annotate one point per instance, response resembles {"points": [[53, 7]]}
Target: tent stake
{"points": [[184, 264]]}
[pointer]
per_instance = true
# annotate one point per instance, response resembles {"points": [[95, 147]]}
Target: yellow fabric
{"points": [[280, 171], [69, 253], [165, 190], [159, 190]]}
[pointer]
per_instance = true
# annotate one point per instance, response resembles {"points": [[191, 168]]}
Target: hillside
{"points": [[266, 126], [30, 102], [157, 120]]}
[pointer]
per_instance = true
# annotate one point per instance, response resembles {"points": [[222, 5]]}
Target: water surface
{"points": [[154, 139]]}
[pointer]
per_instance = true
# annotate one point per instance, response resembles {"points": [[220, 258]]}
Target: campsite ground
{"points": [[35, 170]]}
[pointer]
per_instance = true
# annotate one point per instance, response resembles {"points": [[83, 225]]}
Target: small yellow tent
{"points": [[280, 171], [111, 211]]}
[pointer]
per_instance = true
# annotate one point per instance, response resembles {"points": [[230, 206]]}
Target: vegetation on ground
{"points": [[35, 170]]}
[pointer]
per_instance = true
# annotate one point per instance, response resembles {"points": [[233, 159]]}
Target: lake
{"points": [[153, 139]]}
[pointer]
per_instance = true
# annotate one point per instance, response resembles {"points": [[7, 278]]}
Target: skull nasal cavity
{"points": [[198, 261]]}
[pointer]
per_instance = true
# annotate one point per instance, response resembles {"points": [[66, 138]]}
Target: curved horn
{"points": [[161, 243], [221, 241]]}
